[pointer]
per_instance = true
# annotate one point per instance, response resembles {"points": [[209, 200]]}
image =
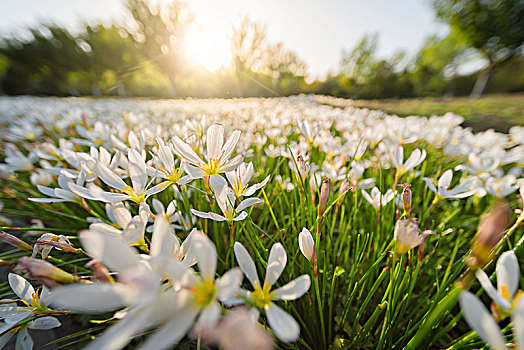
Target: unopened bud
{"points": [[406, 198], [41, 177], [490, 232], [40, 269], [14, 241], [303, 167], [324, 196], [307, 247], [100, 273]]}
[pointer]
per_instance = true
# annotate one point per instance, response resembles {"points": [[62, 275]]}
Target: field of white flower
{"points": [[257, 224]]}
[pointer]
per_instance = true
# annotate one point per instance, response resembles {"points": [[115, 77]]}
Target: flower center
{"points": [[137, 198], [174, 175], [204, 292], [262, 296], [211, 168], [238, 188]]}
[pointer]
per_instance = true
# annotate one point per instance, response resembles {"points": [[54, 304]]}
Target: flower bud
{"points": [[41, 269], [14, 241], [306, 243], [406, 198], [100, 273], [41, 177], [490, 232], [307, 247], [303, 167], [324, 196]]}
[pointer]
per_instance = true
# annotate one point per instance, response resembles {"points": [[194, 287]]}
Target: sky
{"points": [[317, 30]]}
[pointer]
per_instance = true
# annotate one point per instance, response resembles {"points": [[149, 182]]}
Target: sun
{"points": [[207, 48]]}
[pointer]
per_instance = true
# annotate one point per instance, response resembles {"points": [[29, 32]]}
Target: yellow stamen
{"points": [[262, 296], [204, 292], [505, 292]]}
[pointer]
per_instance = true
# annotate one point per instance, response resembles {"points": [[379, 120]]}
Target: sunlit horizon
{"points": [[207, 48]]}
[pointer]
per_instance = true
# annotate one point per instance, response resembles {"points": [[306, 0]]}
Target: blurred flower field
{"points": [[257, 224]]}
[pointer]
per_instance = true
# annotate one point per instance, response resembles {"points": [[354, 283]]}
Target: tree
{"points": [[436, 64], [159, 31], [494, 27], [357, 63]]}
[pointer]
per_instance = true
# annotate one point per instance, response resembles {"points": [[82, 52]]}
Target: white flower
{"points": [[508, 279], [481, 321], [165, 166], [217, 156], [376, 199], [397, 159], [239, 180], [226, 200], [13, 315], [461, 191], [502, 187], [283, 325], [201, 293], [44, 249], [133, 228], [136, 193], [16, 159], [62, 193], [308, 130]]}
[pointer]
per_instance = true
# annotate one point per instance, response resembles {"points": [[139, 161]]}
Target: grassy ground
{"points": [[496, 111]]}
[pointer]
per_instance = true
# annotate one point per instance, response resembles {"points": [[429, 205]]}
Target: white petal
{"points": [[229, 284], [294, 289], [121, 214], [201, 214], [110, 178], [207, 256], [210, 315], [445, 179], [4, 339], [171, 332], [109, 249], [137, 170], [517, 319], [163, 240], [215, 140], [233, 163], [481, 321], [282, 323], [508, 272], [491, 291], [229, 147], [246, 203], [119, 334], [165, 154], [220, 189], [246, 264], [21, 287], [194, 172], [275, 264], [186, 152], [47, 322], [241, 216], [24, 340], [91, 297]]}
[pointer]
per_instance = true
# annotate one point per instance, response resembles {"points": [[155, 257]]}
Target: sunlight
{"points": [[208, 49]]}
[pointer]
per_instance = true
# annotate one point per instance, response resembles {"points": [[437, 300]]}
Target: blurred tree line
{"points": [[144, 57]]}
